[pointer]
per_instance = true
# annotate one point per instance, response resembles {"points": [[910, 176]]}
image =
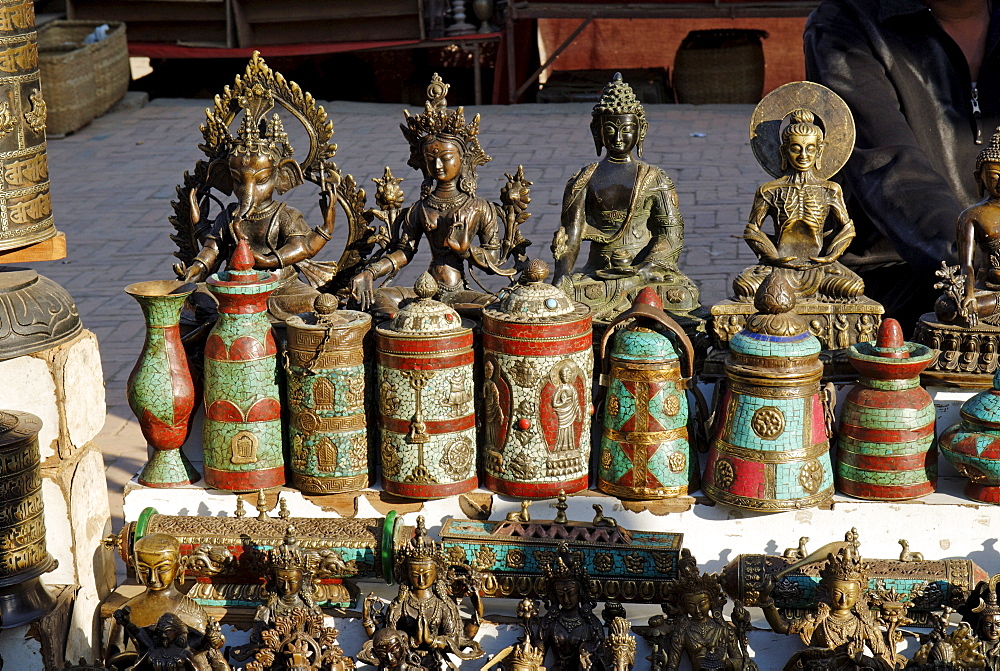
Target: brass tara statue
{"points": [[161, 625], [627, 210], [460, 227], [427, 607], [255, 166], [843, 628], [802, 134], [694, 626]]}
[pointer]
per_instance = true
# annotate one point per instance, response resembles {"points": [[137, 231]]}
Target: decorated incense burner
{"points": [[770, 447], [628, 212], [538, 363], [927, 585], [625, 565], [973, 445], [242, 436], [645, 453], [886, 449], [325, 370], [426, 392], [229, 559]]}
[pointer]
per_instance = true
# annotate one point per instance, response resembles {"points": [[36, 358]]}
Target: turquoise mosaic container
{"points": [[973, 445], [242, 436]]}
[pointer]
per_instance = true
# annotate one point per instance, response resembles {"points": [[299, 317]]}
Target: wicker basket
{"points": [[720, 66], [81, 81]]}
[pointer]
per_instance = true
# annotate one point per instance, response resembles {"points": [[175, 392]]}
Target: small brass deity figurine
{"points": [[984, 618], [843, 630], [965, 325], [426, 608], [161, 622], [802, 134], [445, 149], [256, 165], [694, 626], [391, 650], [628, 212]]}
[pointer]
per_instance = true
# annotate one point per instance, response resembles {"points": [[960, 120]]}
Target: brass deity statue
{"points": [[427, 607], [843, 631], [984, 619], [628, 211], [391, 650], [161, 625], [694, 626], [802, 134], [255, 165], [460, 227]]}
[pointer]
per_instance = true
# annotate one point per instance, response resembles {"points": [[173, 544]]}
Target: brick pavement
{"points": [[112, 183]]}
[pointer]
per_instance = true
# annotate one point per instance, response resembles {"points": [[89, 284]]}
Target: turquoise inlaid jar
{"points": [[973, 445]]}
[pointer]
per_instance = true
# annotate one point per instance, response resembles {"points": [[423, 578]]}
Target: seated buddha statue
{"points": [[800, 203], [627, 210]]}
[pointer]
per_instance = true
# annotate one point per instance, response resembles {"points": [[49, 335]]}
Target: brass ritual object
{"points": [[279, 237], [627, 211], [23, 553], [227, 556], [624, 565], [802, 134], [462, 229]]}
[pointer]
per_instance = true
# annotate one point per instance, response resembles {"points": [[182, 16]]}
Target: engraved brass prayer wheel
{"points": [[426, 398], [538, 365], [25, 206], [325, 370], [23, 555], [770, 449]]}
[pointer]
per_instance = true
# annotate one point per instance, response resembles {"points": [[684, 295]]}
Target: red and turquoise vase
{"points": [[160, 390], [242, 435]]}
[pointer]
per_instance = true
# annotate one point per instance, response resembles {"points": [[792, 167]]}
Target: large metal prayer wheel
{"points": [[426, 398], [25, 205], [326, 398], [770, 447], [23, 555], [645, 452], [242, 434], [538, 364]]}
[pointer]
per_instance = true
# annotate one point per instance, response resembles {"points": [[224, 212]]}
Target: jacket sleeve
{"points": [[888, 175]]}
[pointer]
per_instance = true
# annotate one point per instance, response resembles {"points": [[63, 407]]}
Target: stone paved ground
{"points": [[112, 183]]}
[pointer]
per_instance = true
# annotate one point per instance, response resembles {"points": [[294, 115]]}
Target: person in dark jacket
{"points": [[922, 78]]}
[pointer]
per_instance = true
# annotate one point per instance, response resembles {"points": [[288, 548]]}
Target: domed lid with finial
{"points": [[890, 357], [326, 316], [423, 315], [983, 409], [239, 277], [533, 300], [775, 330]]}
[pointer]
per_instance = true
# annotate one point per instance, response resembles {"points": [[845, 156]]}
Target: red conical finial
{"points": [[890, 341], [649, 297], [242, 258]]}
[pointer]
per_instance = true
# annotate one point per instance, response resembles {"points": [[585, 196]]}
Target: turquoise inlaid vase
{"points": [[326, 398], [770, 448], [242, 435], [973, 445], [160, 389], [645, 452]]}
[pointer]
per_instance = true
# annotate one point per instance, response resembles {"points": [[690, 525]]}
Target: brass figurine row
{"points": [[836, 602]]}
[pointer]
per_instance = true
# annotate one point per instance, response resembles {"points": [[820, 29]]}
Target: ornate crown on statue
{"points": [[288, 556], [846, 564], [438, 122], [257, 136]]}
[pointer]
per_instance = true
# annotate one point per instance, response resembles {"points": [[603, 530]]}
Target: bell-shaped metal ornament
{"points": [[770, 446], [645, 453]]}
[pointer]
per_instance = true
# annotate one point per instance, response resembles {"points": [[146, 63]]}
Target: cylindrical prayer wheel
{"points": [[645, 453], [23, 555], [538, 365], [326, 398], [242, 435], [886, 450], [25, 206], [426, 399], [770, 448]]}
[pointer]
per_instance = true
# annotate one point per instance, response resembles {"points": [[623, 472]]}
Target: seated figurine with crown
{"points": [[462, 229], [965, 325], [255, 165], [426, 608], [627, 210], [802, 134]]}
